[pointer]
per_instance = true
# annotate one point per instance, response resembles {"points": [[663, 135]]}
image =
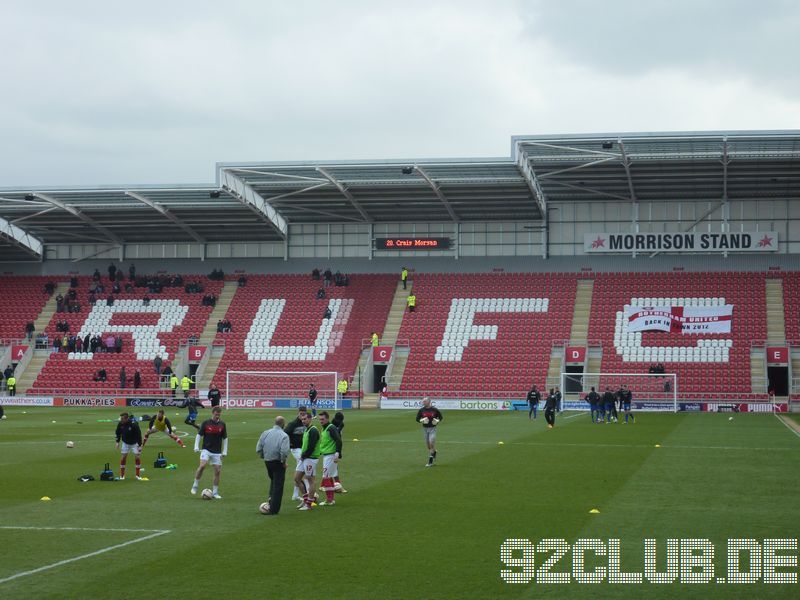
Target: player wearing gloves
{"points": [[430, 417], [214, 434], [128, 431], [160, 422]]}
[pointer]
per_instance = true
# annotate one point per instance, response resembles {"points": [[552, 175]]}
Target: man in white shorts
{"points": [[214, 434], [330, 446], [131, 436], [306, 471]]}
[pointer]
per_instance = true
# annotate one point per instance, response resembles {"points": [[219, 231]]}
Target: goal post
{"points": [[280, 389], [656, 391]]}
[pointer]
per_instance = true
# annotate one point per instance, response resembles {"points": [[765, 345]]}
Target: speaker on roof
{"points": [[408, 170], [214, 194]]}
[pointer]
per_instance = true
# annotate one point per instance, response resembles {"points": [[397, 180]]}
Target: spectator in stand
{"points": [[116, 289], [157, 364], [29, 329], [59, 303], [118, 344], [92, 299], [96, 275], [123, 379], [128, 288], [404, 276], [49, 288], [146, 300], [101, 375], [110, 301], [137, 380], [132, 272], [227, 328], [242, 281], [111, 343], [327, 313], [73, 281], [219, 326], [337, 278], [64, 344], [315, 274], [321, 293], [411, 301], [8, 372], [78, 344], [112, 271], [326, 277]]}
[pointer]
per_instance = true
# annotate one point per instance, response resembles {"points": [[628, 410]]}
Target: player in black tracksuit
{"points": [[429, 416], [593, 398], [550, 405], [312, 400], [534, 397], [608, 405], [295, 430]]}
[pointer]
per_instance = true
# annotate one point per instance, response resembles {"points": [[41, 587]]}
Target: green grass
{"points": [[403, 531]]}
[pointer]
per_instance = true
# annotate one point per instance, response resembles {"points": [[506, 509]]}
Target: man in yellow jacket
{"points": [[173, 384], [186, 385], [411, 301]]}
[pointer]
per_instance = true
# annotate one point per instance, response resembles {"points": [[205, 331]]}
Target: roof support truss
{"points": [[438, 191], [531, 179], [21, 238], [245, 194], [82, 216], [168, 214], [345, 192]]}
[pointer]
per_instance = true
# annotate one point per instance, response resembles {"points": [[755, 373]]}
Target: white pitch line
{"points": [[785, 424], [156, 533]]}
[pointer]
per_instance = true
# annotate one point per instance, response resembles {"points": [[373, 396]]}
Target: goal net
{"points": [[649, 391], [280, 389]]}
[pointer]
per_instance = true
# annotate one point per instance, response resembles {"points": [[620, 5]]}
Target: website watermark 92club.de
{"points": [[735, 561]]}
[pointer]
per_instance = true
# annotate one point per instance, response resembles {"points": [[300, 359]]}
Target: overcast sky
{"points": [[157, 92]]}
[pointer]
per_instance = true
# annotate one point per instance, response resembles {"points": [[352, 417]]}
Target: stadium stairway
{"points": [[39, 358], [224, 301], [579, 333], [776, 324], [49, 309], [758, 375], [388, 338]]}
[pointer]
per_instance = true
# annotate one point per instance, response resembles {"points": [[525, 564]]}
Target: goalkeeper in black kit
{"points": [[430, 417]]}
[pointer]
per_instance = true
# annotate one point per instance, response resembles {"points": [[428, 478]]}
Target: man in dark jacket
{"points": [[593, 398], [429, 416], [550, 406], [295, 430], [130, 435], [534, 397]]}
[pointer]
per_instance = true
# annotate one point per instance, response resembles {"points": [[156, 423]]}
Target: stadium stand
{"points": [[171, 317], [21, 302], [476, 333], [277, 324], [706, 365]]}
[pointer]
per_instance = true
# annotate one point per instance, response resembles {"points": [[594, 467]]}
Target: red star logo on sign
{"points": [[598, 243], [765, 241]]}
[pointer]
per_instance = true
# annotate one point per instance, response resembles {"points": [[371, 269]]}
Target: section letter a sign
{"points": [[575, 355], [17, 352]]}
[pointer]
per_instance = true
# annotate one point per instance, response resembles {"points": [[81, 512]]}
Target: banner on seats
{"points": [[680, 319]]}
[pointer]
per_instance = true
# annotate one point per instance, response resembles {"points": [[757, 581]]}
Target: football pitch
{"points": [[403, 530]]}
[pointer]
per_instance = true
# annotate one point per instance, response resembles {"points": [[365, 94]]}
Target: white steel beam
{"points": [[438, 191], [21, 238], [345, 192], [82, 216], [244, 193], [168, 214]]}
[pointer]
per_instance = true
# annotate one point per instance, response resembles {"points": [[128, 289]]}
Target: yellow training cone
{"points": [[594, 511], [658, 445], [500, 443], [145, 479], [45, 498], [355, 439]]}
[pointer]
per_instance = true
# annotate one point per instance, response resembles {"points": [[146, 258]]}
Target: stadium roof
{"points": [[257, 201]]}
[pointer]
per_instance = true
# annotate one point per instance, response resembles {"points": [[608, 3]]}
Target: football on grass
{"points": [[207, 494], [264, 508], [70, 444]]}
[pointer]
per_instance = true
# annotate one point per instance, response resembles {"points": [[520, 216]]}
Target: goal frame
{"points": [[301, 401], [626, 378]]}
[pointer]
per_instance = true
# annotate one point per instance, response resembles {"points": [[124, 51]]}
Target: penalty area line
{"points": [[789, 424], [155, 533]]}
